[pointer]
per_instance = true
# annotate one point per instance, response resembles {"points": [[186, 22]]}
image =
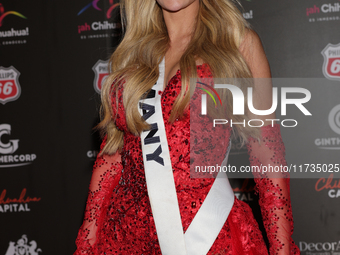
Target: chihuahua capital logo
{"points": [[3, 14]]}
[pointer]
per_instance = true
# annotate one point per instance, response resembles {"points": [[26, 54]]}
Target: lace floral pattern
{"points": [[118, 218], [273, 189], [106, 173]]}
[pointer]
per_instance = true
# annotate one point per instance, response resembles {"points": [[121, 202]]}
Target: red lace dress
{"points": [[118, 217]]}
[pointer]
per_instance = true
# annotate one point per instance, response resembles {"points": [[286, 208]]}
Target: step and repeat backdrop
{"points": [[53, 59]]}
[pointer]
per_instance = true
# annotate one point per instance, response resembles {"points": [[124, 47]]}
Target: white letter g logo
{"points": [[10, 147]]}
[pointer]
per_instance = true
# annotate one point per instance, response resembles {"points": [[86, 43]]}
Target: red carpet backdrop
{"points": [[53, 59]]}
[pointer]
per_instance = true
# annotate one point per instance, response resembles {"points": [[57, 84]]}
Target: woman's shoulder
{"points": [[253, 52], [250, 38]]}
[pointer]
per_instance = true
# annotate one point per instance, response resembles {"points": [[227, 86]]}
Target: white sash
{"points": [[215, 209]]}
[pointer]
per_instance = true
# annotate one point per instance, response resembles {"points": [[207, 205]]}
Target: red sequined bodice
{"points": [[118, 217]]}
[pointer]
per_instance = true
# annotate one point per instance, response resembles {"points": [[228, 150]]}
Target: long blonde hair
{"points": [[220, 28]]}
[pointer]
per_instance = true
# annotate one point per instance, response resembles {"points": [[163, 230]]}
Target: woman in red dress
{"points": [[196, 38]]}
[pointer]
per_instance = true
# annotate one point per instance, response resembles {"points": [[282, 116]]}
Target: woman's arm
{"points": [[273, 189], [106, 174]]}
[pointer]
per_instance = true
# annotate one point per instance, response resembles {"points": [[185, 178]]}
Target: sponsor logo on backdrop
{"points": [[8, 147], [246, 192], [3, 14], [94, 5], [248, 14], [331, 143], [23, 247], [324, 12], [332, 186], [9, 84], [16, 204], [92, 154], [334, 119], [317, 248], [11, 35], [101, 71], [331, 64], [99, 28]]}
